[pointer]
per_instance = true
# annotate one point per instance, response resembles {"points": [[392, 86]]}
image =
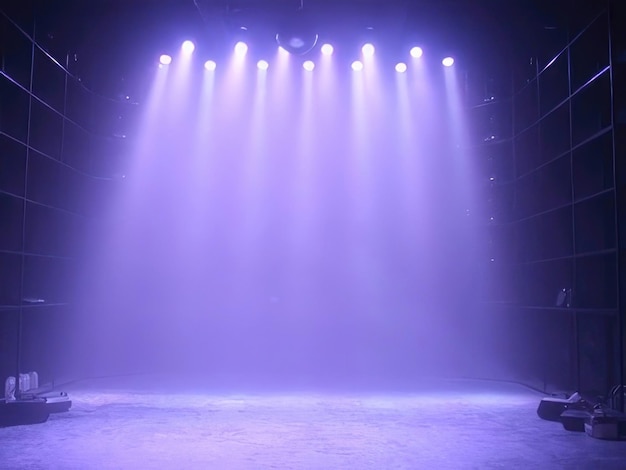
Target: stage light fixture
{"points": [[308, 65], [262, 65], [357, 65], [297, 33], [448, 61], [327, 49], [210, 65], [368, 50], [401, 67], [416, 52], [165, 59], [188, 47], [241, 49]]}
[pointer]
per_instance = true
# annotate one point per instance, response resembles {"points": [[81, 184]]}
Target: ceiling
{"points": [[124, 34]]}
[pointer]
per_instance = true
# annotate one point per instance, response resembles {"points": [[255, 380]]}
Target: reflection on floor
{"points": [[448, 425]]}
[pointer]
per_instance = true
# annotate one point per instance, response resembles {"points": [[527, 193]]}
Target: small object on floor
{"points": [[29, 406], [606, 424], [551, 408], [574, 420], [21, 412], [617, 397], [58, 402], [27, 383]]}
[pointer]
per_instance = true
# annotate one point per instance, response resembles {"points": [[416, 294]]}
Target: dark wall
{"points": [[551, 226], [618, 65], [56, 155]]}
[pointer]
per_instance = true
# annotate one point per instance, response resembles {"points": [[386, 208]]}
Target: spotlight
{"points": [[416, 52], [368, 50], [262, 65], [448, 61], [165, 59], [327, 49], [241, 49], [297, 34], [357, 65], [188, 47], [308, 65], [210, 65], [401, 67]]}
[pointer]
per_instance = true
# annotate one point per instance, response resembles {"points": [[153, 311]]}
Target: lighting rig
{"points": [[307, 32], [368, 50]]}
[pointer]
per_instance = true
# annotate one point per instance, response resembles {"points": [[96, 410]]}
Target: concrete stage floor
{"points": [[447, 425]]}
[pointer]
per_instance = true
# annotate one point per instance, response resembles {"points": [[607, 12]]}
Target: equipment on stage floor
{"points": [[551, 408], [28, 403], [579, 415], [606, 424]]}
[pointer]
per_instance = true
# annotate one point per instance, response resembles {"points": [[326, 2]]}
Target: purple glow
{"points": [[368, 50], [357, 65], [165, 59], [448, 61], [262, 65], [416, 52], [327, 49], [293, 207], [241, 49], [401, 67], [188, 47]]}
